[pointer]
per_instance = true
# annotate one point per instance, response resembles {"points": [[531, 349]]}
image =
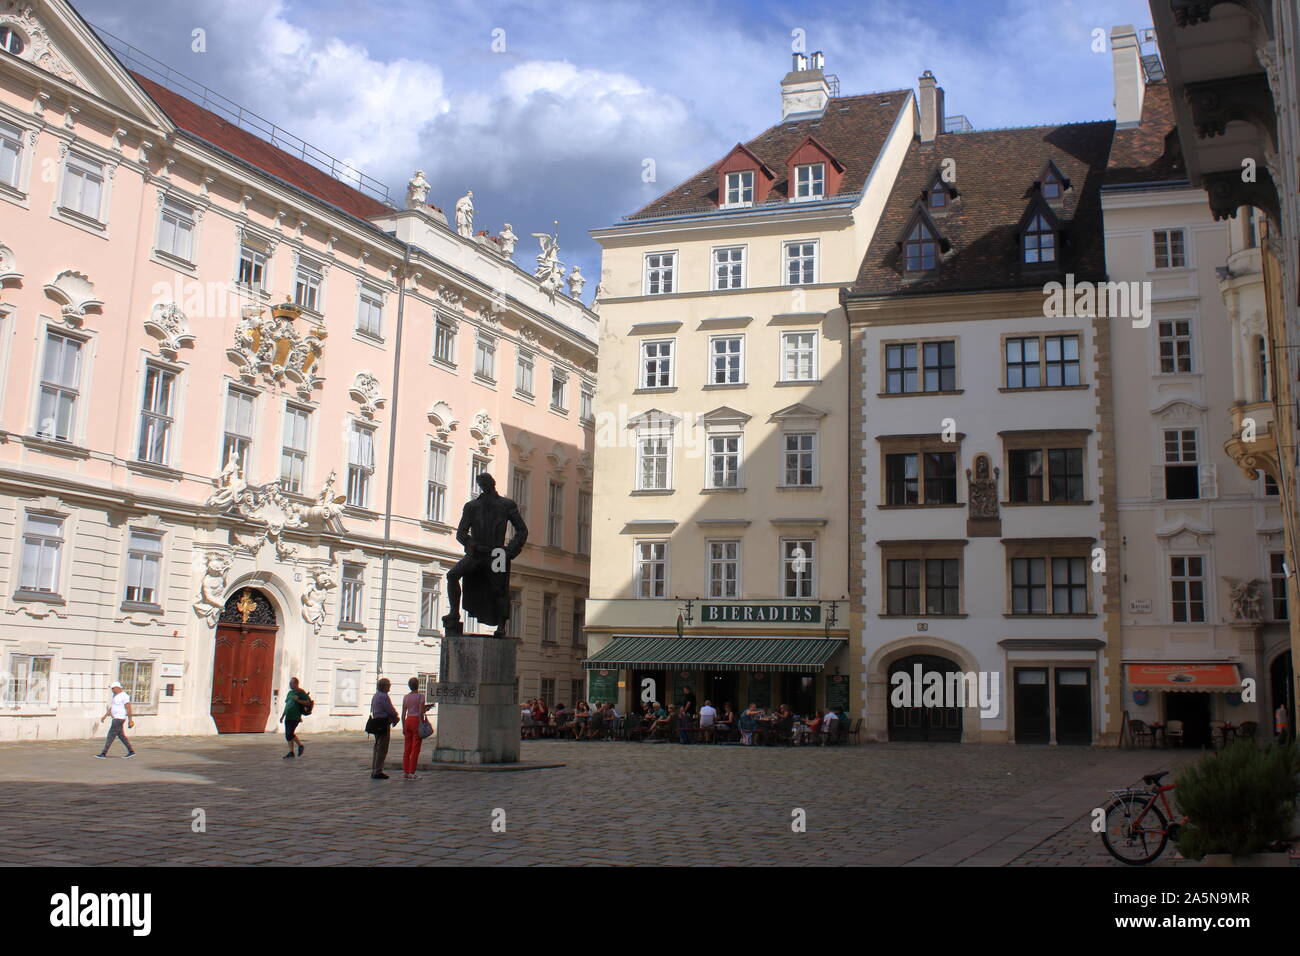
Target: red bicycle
{"points": [[1137, 830]]}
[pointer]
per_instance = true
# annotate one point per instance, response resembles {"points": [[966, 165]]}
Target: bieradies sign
{"points": [[760, 614]]}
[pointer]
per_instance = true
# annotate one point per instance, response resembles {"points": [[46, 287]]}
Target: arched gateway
{"points": [[243, 663], [923, 723]]}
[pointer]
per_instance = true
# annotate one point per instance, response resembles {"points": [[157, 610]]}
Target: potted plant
{"points": [[1238, 802]]}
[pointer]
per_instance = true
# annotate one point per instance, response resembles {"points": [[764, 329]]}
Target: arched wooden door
{"points": [[243, 663], [923, 723]]}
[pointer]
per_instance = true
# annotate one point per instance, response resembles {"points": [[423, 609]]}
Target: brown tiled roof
{"points": [[996, 171], [1149, 152], [256, 151], [852, 129]]}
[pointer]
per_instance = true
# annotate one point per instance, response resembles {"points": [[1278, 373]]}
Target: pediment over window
{"points": [[53, 38], [522, 446], [1180, 410], [798, 415], [653, 418], [75, 294], [1184, 534], [724, 416], [483, 431], [443, 420]]}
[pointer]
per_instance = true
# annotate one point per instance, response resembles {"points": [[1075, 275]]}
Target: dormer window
{"points": [[810, 181], [937, 198], [1051, 184], [740, 188], [920, 249], [1039, 241]]}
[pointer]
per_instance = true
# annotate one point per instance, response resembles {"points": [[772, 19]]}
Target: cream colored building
{"points": [[722, 479], [205, 490], [1204, 595]]}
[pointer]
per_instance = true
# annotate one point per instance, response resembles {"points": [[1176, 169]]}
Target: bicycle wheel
{"points": [[1129, 843]]}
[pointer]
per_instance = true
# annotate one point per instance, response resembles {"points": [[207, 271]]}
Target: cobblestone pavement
{"points": [[612, 803]]}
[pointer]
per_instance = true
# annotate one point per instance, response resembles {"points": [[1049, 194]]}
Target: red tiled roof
{"points": [[252, 149], [852, 129], [1150, 152], [995, 175]]}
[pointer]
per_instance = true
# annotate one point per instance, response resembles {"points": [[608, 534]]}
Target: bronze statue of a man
{"points": [[485, 569]]}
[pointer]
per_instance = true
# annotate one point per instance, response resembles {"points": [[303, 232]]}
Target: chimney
{"points": [[804, 90], [931, 99], [1130, 82]]}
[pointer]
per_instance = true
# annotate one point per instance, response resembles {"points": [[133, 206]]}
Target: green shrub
{"points": [[1238, 800]]}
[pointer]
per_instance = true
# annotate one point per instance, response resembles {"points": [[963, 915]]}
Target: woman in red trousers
{"points": [[413, 711]]}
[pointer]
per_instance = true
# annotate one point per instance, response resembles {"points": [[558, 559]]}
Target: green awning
{"points": [[799, 654]]}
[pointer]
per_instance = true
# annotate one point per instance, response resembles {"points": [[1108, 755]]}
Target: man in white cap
{"points": [[119, 708]]}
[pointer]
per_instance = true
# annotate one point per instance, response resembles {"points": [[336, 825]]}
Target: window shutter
{"points": [[1157, 482], [1209, 480]]}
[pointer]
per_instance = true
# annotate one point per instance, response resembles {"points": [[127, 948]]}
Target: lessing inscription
{"points": [[454, 693]]}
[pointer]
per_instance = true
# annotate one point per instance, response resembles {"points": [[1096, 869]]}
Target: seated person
{"points": [[660, 721], [748, 724], [708, 715]]}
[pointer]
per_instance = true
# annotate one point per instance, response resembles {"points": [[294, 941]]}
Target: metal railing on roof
{"points": [[833, 84], [140, 62]]}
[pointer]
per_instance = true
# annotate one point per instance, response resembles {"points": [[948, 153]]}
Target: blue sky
{"points": [[557, 124]]}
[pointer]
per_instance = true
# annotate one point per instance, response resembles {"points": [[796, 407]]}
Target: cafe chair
{"points": [[1174, 732], [855, 733], [1139, 731]]}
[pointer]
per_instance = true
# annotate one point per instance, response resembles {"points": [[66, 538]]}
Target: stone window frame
{"points": [[86, 338], [19, 192], [920, 344], [53, 509], [174, 447], [1042, 338], [1207, 586], [152, 526], [1047, 549], [918, 444], [922, 550], [1045, 440]]}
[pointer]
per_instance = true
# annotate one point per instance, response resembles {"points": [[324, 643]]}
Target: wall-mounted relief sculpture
{"points": [[170, 326], [483, 432], [277, 349], [9, 266], [983, 519], [313, 599], [1246, 599], [75, 294], [365, 390], [443, 420], [272, 510], [212, 587]]}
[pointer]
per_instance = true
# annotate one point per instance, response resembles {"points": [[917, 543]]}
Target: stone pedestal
{"points": [[478, 716]]}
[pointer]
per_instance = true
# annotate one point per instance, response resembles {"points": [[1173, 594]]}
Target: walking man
{"points": [[292, 716], [383, 716], [119, 708]]}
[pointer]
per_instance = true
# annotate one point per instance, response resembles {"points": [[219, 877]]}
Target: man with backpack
{"points": [[297, 705]]}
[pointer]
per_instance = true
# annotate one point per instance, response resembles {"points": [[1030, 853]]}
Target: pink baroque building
{"points": [[241, 405]]}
